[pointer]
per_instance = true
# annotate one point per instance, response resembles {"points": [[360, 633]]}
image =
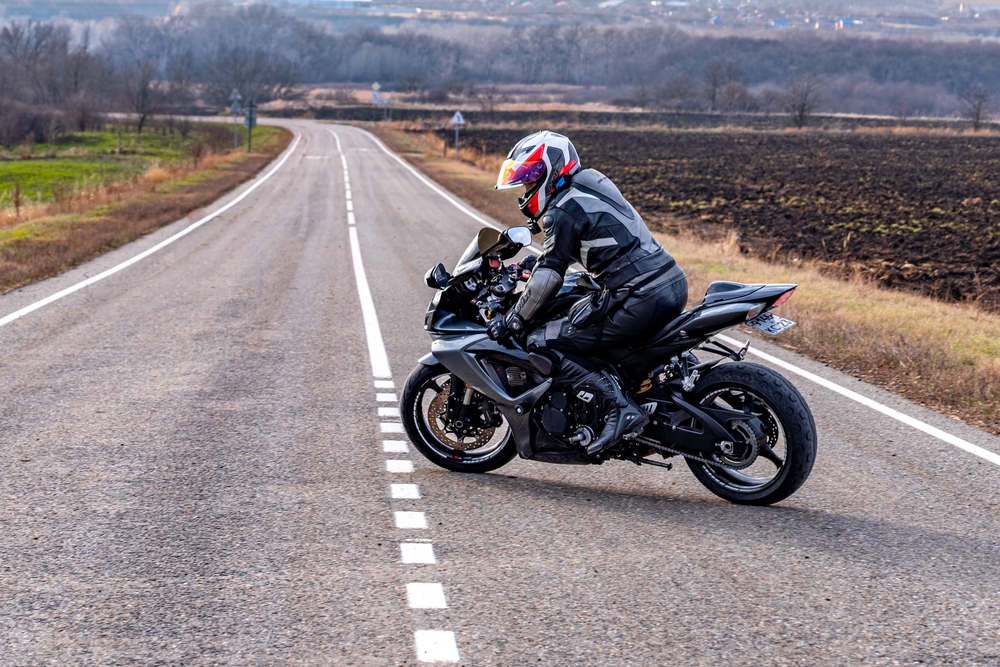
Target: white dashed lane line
{"points": [[411, 520], [436, 646], [417, 553], [430, 645], [395, 447], [407, 491], [425, 596], [398, 466]]}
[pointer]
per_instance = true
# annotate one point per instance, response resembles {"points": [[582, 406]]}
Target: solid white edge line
{"points": [[874, 405], [373, 333], [18, 314], [376, 347]]}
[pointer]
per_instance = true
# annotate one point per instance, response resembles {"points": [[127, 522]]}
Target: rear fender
{"points": [[708, 321]]}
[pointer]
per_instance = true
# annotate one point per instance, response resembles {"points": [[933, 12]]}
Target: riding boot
{"points": [[620, 414]]}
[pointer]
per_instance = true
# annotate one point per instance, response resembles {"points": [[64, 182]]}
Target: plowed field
{"points": [[915, 211]]}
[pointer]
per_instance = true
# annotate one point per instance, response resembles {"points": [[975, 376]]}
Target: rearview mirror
{"points": [[519, 235], [437, 277]]}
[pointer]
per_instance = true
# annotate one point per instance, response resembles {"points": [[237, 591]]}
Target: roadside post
{"points": [[250, 121], [234, 108], [380, 101], [458, 122]]}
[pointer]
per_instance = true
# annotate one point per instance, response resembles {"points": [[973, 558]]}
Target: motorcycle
{"points": [[472, 403]]}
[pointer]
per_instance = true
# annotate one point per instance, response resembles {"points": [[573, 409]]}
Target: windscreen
{"points": [[471, 253]]}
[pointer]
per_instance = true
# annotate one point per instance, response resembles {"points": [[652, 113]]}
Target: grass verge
{"points": [[941, 355], [73, 229]]}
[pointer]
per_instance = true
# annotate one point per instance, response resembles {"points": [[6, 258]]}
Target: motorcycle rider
{"points": [[587, 220]]}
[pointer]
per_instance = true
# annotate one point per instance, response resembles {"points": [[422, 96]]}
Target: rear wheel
{"points": [[424, 406], [776, 450]]}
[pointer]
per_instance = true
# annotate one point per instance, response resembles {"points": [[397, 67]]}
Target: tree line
{"points": [[58, 75]]}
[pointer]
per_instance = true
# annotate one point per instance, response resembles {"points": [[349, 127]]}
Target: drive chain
{"points": [[663, 448]]}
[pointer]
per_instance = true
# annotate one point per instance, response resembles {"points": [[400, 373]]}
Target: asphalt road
{"points": [[194, 474]]}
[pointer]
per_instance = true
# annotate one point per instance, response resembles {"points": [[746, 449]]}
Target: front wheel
{"points": [[424, 409], [783, 435]]}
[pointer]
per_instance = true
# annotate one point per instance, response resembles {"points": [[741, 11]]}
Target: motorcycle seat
{"points": [[721, 290], [723, 286]]}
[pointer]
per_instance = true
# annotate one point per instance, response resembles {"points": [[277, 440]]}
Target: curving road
{"points": [[195, 473]]}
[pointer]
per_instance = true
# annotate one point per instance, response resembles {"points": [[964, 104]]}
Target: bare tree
{"points": [[801, 99], [975, 105], [141, 92], [717, 75], [680, 94], [641, 95], [770, 100], [736, 97], [490, 97], [902, 106]]}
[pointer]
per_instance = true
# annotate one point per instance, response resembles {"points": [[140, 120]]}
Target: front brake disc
{"points": [[437, 414]]}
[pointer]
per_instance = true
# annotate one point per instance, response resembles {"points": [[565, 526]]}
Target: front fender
{"points": [[428, 360]]}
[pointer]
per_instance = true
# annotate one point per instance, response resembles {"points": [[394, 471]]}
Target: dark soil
{"points": [[913, 211]]}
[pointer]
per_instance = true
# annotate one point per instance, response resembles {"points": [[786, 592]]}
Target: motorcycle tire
{"points": [[427, 432], [789, 434]]}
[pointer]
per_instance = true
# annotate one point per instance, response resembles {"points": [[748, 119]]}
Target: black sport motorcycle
{"points": [[472, 403]]}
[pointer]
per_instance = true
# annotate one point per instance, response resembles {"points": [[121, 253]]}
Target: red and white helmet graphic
{"points": [[544, 162]]}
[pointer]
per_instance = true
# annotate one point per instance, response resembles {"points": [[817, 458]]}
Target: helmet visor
{"points": [[514, 173]]}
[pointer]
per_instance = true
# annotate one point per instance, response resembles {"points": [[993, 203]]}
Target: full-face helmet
{"points": [[544, 162]]}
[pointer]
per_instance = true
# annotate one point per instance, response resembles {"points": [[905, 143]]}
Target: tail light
{"points": [[756, 310], [783, 298]]}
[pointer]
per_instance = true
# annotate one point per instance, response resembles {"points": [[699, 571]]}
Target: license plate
{"points": [[770, 323]]}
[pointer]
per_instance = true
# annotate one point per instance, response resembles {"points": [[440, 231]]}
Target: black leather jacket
{"points": [[590, 222]]}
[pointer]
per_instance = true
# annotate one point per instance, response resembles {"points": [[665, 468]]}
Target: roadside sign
{"points": [[250, 115], [458, 122], [376, 87], [250, 121], [235, 109]]}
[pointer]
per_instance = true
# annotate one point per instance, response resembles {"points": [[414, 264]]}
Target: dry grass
{"points": [[84, 199], [944, 356], [54, 237]]}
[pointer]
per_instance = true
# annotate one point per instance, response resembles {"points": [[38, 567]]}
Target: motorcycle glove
{"points": [[497, 328]]}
